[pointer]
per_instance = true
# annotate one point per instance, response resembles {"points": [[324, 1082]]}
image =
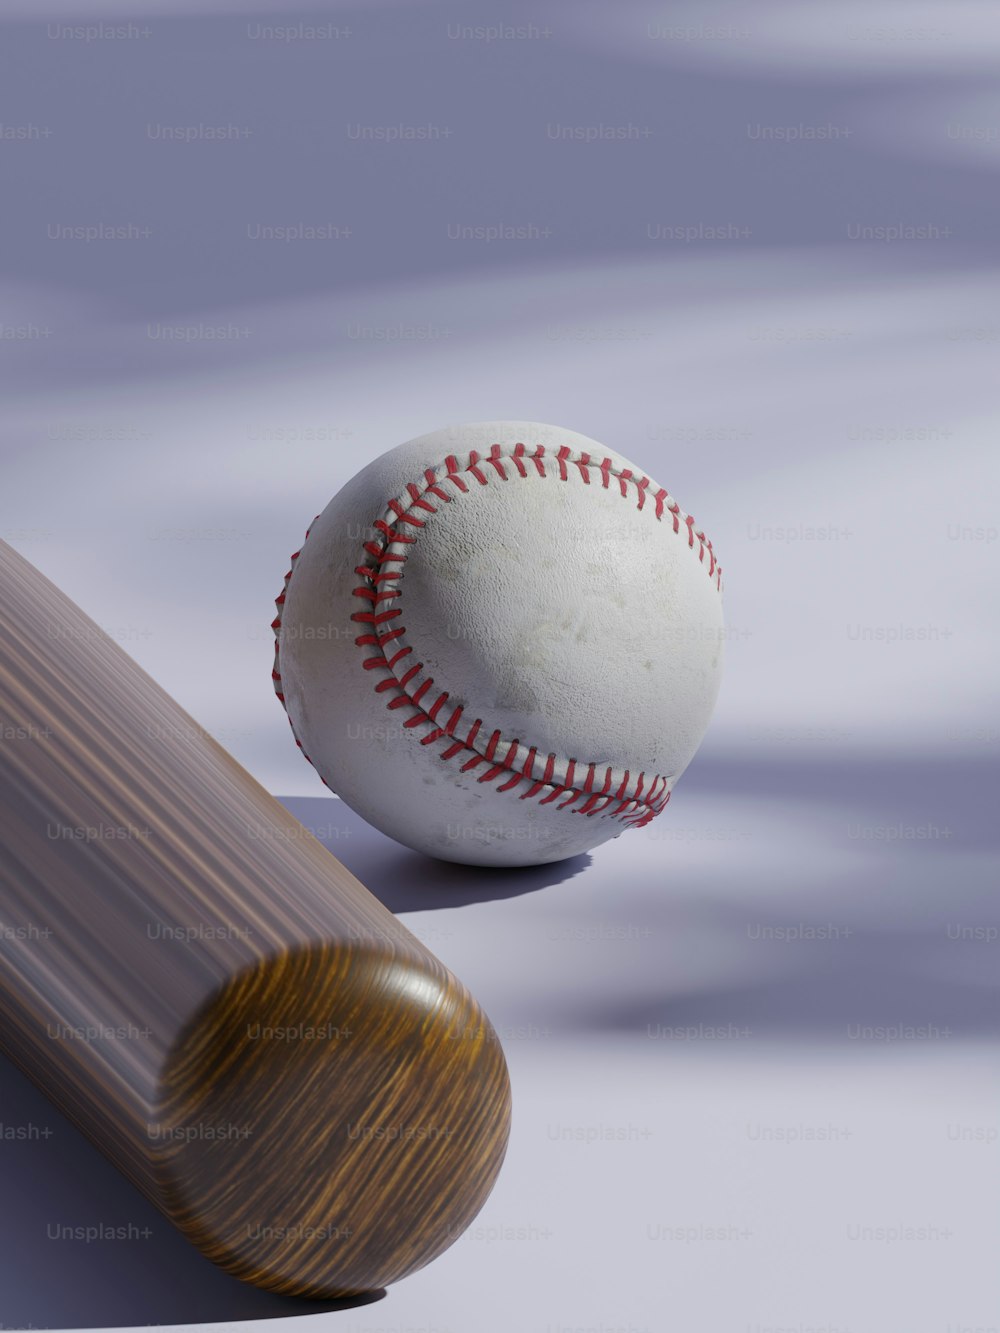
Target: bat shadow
{"points": [[57, 1190]]}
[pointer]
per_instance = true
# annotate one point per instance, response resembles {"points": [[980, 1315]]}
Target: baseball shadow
{"points": [[407, 881]]}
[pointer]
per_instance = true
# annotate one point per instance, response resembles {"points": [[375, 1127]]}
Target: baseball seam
{"points": [[636, 799]]}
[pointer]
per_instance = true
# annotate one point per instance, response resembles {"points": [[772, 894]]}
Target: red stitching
{"points": [[454, 720], [633, 808]]}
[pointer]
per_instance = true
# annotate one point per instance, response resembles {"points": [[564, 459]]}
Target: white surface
{"points": [[825, 403]]}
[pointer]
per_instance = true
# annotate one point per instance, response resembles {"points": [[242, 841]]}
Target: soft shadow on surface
{"points": [[952, 795], [876, 995], [407, 881], [888, 860], [54, 1178], [108, 154]]}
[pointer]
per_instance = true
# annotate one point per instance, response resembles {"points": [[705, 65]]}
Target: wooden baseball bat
{"points": [[191, 977]]}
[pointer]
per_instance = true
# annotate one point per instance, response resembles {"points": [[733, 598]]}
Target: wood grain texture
{"points": [[244, 1030]]}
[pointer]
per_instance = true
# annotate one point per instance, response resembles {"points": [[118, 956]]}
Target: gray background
{"points": [[179, 403]]}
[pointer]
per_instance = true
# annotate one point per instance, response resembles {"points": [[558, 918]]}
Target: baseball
{"points": [[501, 643]]}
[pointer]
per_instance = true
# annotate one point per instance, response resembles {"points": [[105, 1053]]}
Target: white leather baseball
{"points": [[501, 643]]}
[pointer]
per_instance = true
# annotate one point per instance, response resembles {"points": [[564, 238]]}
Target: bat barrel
{"points": [[258, 1044]]}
